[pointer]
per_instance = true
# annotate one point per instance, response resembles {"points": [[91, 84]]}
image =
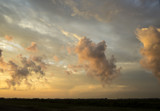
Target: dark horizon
{"points": [[79, 104]]}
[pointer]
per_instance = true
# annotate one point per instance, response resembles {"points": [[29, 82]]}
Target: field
{"points": [[14, 104]]}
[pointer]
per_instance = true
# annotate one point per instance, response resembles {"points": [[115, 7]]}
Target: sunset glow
{"points": [[80, 48]]}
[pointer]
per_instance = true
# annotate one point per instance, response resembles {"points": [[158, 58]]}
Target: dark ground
{"points": [[15, 104]]}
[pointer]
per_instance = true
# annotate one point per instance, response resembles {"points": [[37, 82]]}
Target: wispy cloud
{"points": [[89, 12], [69, 34]]}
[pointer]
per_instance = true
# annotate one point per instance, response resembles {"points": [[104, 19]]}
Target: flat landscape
{"points": [[15, 104]]}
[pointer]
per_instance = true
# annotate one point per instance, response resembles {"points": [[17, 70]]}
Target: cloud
{"points": [[0, 52], [150, 38], [69, 50], [69, 34], [8, 19], [9, 38], [33, 47], [19, 73], [3, 64], [20, 70], [10, 46], [39, 60], [56, 58], [87, 9], [92, 57], [75, 69]]}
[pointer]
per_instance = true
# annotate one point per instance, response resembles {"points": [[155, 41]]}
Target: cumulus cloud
{"points": [[32, 47], [39, 59], [92, 57], [21, 72], [150, 38], [23, 68]]}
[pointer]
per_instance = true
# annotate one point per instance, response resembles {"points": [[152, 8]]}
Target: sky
{"points": [[80, 48]]}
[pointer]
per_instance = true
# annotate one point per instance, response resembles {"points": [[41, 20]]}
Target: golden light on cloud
{"points": [[69, 34], [150, 38], [21, 69], [148, 29], [9, 38], [32, 47], [92, 58]]}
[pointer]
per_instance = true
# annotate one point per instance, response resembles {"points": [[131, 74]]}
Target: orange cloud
{"points": [[93, 56], [9, 38], [56, 58], [33, 47], [150, 39]]}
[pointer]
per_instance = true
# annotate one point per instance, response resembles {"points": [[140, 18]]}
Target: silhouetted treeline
{"points": [[134, 103]]}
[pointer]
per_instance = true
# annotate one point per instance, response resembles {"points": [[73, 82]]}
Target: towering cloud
{"points": [[33, 47], [150, 38], [93, 58]]}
